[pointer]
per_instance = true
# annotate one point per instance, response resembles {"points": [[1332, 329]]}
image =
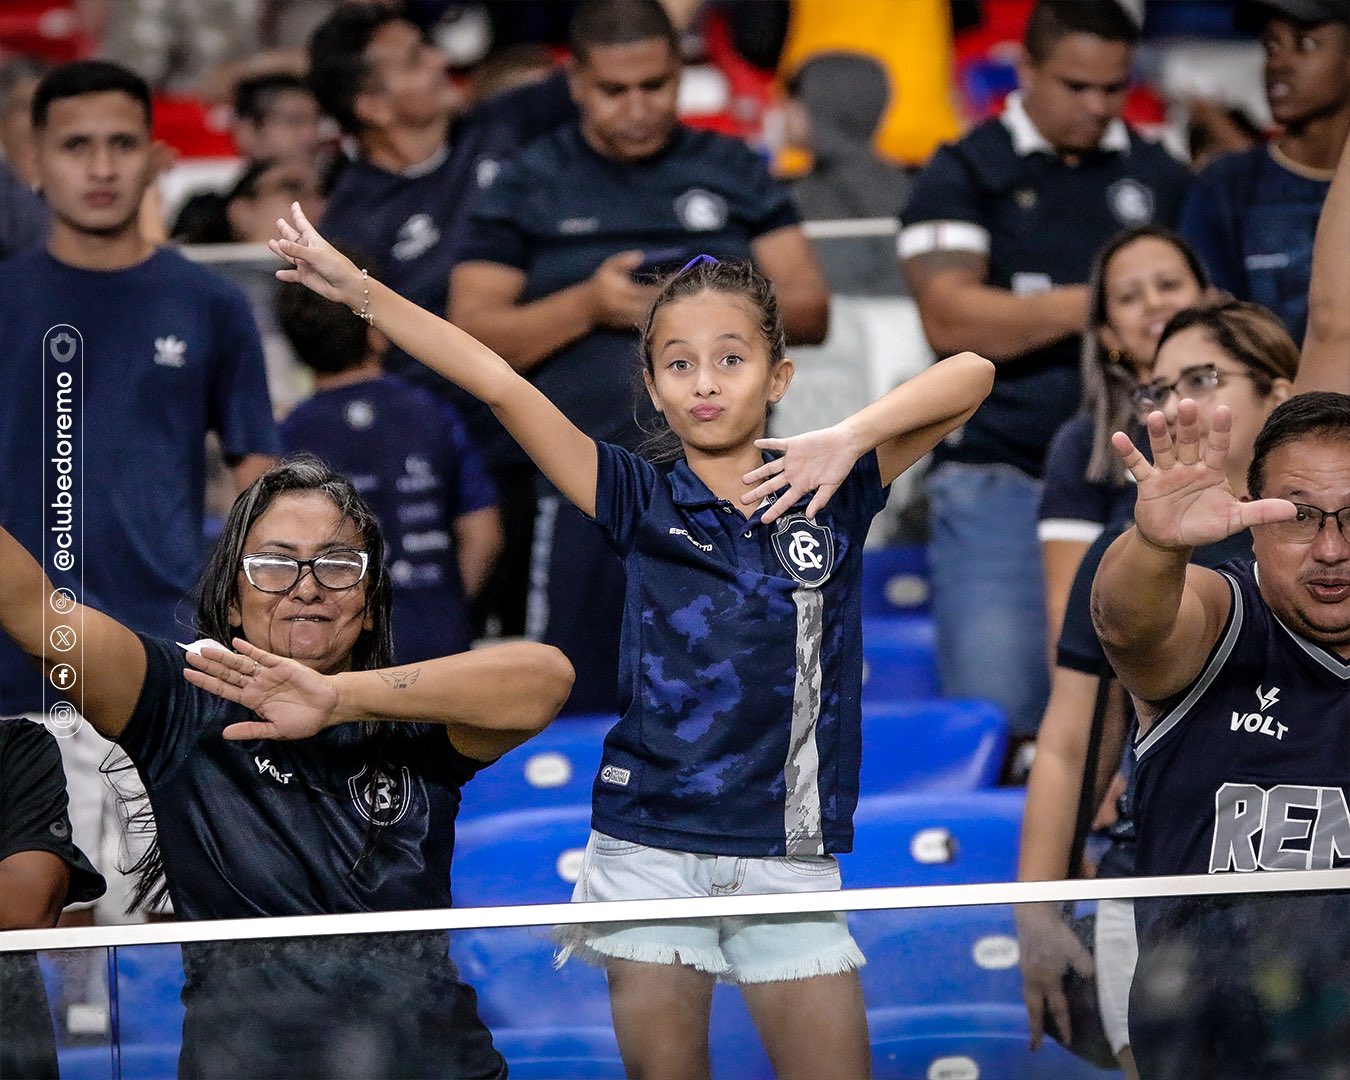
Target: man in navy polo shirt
{"points": [[137, 353], [1252, 214], [996, 242], [559, 267]]}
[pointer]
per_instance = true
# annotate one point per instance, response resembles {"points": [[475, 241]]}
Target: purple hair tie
{"points": [[698, 260]]}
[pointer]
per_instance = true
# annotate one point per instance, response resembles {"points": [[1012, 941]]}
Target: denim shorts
{"points": [[735, 949]]}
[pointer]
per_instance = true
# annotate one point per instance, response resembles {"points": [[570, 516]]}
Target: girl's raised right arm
{"points": [[564, 454]]}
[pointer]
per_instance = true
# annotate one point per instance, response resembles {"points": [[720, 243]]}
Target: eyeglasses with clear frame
{"points": [[273, 572], [1196, 382], [1305, 527]]}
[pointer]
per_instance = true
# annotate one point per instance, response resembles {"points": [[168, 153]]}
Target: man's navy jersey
{"points": [[411, 459], [1252, 216], [741, 666], [559, 209], [1002, 192], [411, 222], [164, 351], [1250, 769], [259, 828]]}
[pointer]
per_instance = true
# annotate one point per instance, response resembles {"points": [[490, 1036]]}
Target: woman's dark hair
{"points": [[1316, 414], [1107, 383], [1246, 332], [706, 274], [218, 591]]}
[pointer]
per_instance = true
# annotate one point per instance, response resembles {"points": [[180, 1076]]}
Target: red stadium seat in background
{"points": [[47, 29]]}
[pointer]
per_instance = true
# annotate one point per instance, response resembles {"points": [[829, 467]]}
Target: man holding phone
{"points": [[562, 255]]}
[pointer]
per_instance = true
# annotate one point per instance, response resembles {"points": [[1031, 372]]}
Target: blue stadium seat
{"points": [[989, 1042], [938, 956], [918, 838], [570, 1052], [149, 985], [555, 768], [899, 658], [941, 745], [895, 580], [520, 857], [513, 972]]}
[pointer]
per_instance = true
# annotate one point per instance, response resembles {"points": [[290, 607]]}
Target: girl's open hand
{"points": [[1184, 498], [315, 263], [290, 700], [815, 461]]}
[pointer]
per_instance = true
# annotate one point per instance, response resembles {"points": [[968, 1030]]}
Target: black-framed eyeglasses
{"points": [[1307, 524], [272, 572], [1196, 382]]}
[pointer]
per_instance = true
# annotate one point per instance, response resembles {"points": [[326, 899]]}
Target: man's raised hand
{"points": [[1184, 499]]}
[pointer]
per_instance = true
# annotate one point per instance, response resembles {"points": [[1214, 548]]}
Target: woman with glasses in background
{"points": [[1234, 354], [293, 771], [1140, 279]]}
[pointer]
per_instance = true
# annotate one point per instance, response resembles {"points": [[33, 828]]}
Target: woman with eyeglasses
{"points": [[293, 770], [1231, 354], [1140, 279]]}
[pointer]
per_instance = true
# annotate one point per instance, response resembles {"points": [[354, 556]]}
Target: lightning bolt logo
{"points": [[1268, 698]]}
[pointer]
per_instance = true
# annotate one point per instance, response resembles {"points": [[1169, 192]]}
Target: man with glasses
{"points": [[302, 775], [1241, 681]]}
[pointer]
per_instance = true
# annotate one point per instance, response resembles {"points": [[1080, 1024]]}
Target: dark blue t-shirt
{"points": [[259, 828], [23, 215], [412, 223], [306, 827], [167, 350], [1043, 220], [1072, 506], [740, 666], [559, 209], [411, 459], [1252, 218]]}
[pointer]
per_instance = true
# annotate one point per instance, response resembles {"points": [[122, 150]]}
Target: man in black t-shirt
{"points": [[41, 870]]}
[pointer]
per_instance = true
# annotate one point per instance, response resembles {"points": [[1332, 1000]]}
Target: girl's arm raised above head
{"points": [[563, 453], [901, 426], [104, 671]]}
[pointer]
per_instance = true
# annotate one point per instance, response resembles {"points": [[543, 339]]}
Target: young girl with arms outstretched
{"points": [[734, 766]]}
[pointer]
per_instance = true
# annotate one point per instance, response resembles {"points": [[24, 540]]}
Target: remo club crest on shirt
{"points": [[381, 799], [805, 549]]}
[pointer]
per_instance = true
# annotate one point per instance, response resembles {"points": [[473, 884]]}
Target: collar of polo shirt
{"points": [[1026, 139]]}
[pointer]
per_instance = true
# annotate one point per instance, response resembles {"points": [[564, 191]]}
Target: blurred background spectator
{"points": [[1252, 214]]}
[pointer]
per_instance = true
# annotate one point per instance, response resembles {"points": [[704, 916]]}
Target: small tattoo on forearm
{"points": [[400, 680]]}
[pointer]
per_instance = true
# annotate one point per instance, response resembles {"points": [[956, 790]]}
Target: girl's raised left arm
{"points": [[901, 426]]}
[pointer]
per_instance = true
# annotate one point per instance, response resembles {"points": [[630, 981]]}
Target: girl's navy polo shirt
{"points": [[740, 665]]}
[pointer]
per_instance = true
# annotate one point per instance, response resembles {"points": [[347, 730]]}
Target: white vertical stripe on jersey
{"points": [[801, 772]]}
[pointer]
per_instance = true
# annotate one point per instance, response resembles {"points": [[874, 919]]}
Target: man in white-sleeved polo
{"points": [[996, 242]]}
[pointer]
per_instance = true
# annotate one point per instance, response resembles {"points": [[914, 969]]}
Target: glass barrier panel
{"points": [[1232, 987], [57, 1017]]}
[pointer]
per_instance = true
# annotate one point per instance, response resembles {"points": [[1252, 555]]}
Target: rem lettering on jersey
{"points": [[1286, 827]]}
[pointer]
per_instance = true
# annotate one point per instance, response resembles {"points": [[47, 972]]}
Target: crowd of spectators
{"points": [[538, 201]]}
